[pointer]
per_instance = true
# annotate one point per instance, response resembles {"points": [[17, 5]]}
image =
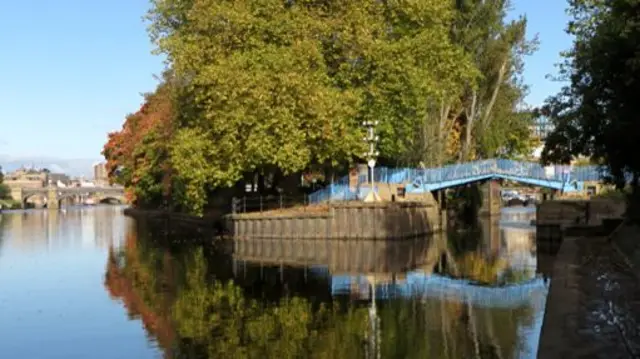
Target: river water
{"points": [[90, 283]]}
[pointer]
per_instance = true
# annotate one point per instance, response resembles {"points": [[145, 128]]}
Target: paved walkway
{"points": [[593, 308]]}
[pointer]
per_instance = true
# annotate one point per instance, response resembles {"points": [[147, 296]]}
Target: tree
{"points": [[138, 155], [595, 115], [258, 92], [273, 88], [490, 106], [283, 86]]}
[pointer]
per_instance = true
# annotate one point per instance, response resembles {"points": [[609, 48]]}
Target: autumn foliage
{"points": [[137, 155]]}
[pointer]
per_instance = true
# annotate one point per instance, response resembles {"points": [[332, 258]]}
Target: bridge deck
{"points": [[566, 178]]}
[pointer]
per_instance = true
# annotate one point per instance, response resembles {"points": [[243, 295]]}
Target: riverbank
{"points": [[9, 204], [382, 220], [593, 307], [211, 221]]}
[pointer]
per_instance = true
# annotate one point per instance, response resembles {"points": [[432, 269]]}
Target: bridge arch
{"points": [[26, 196], [56, 195], [61, 196], [111, 198]]}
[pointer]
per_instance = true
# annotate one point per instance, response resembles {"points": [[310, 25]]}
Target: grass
{"points": [[9, 204]]}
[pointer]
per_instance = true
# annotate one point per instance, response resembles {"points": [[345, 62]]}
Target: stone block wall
{"points": [[357, 220], [572, 212]]}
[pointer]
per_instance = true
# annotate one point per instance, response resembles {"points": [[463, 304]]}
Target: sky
{"points": [[70, 70]]}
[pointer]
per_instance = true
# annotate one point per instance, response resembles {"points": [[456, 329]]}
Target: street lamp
{"points": [[371, 157]]}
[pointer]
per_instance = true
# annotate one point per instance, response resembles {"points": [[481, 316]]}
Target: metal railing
{"points": [[339, 190], [268, 203], [559, 173], [342, 190]]}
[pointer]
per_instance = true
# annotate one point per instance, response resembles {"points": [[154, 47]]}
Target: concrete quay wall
{"points": [[348, 220]]}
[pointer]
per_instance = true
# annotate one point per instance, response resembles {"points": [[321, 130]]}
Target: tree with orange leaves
{"points": [[137, 155]]}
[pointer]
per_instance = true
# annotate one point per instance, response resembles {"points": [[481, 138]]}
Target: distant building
{"points": [[26, 178], [100, 174], [540, 130], [59, 179]]}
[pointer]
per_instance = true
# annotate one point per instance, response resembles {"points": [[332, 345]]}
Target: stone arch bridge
{"points": [[55, 195]]}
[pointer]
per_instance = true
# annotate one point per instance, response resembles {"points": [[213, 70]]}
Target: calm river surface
{"points": [[90, 283]]}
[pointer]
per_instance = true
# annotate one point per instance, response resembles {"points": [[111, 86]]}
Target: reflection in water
{"points": [[80, 226], [52, 300], [474, 294]]}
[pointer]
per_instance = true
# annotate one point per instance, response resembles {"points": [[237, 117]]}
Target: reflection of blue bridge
{"points": [[438, 287], [565, 178]]}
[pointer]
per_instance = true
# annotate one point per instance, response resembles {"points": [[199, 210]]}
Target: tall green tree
{"points": [[258, 90], [284, 85], [491, 106], [596, 113], [274, 88]]}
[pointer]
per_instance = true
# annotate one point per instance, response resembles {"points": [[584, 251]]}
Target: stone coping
{"points": [[323, 211], [277, 215], [314, 211], [386, 204]]}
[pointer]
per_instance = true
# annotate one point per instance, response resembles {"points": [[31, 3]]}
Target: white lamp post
{"points": [[371, 157]]}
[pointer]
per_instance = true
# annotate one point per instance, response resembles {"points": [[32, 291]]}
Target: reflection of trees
{"points": [[218, 320], [190, 303], [192, 313], [469, 253], [437, 328], [135, 277]]}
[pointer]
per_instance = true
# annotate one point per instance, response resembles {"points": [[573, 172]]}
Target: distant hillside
{"points": [[72, 167]]}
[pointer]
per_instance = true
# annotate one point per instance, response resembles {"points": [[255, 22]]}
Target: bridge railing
{"points": [[337, 191], [341, 189], [558, 173]]}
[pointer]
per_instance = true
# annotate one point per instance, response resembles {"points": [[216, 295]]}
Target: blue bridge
{"points": [[559, 177]]}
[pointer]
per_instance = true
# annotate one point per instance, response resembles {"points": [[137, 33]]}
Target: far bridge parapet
{"points": [[54, 195]]}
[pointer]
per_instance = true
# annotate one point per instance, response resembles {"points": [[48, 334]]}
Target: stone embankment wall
{"points": [[210, 222], [357, 220], [576, 212], [558, 219]]}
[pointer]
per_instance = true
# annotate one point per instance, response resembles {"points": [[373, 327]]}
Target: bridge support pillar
{"points": [[16, 194], [490, 198], [441, 198], [52, 198]]}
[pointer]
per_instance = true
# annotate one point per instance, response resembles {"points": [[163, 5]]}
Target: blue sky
{"points": [[70, 70]]}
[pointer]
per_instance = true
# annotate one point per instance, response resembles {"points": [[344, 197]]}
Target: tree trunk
{"points": [[474, 116], [486, 119], [261, 183], [470, 115]]}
